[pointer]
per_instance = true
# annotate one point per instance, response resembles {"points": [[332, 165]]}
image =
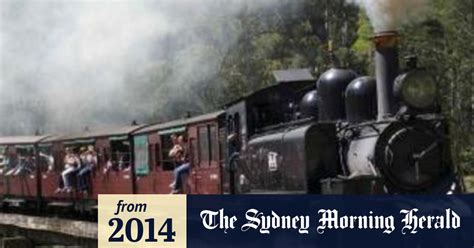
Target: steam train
{"points": [[339, 134]]}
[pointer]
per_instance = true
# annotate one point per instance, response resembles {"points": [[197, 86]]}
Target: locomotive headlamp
{"points": [[417, 89]]}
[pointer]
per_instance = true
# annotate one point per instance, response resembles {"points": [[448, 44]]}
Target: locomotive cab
{"points": [[271, 159], [273, 105]]}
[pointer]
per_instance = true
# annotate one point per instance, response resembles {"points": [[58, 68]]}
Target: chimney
{"points": [[386, 70]]}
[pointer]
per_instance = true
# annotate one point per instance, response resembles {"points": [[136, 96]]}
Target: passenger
{"points": [[12, 163], [172, 154], [124, 164], [89, 159], [26, 165], [82, 155], [47, 160], [176, 146], [179, 154], [14, 167], [109, 165], [71, 163]]}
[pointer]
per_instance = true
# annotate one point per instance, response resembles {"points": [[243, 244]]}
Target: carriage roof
{"points": [[96, 133], [179, 123], [21, 140]]}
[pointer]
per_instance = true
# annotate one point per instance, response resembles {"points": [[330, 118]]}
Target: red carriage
{"points": [[21, 160], [111, 174], [206, 146]]}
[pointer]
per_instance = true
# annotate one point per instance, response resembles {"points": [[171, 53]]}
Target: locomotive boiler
{"points": [[344, 134]]}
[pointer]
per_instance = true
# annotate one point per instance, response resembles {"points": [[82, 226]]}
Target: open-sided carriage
{"points": [[112, 174], [21, 162]]}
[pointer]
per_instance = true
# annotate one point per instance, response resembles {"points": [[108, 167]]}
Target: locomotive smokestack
{"points": [[386, 70]]}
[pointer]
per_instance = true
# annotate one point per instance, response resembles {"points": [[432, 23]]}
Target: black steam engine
{"points": [[343, 135]]}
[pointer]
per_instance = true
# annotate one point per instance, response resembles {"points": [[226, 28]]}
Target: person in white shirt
{"points": [[71, 163]]}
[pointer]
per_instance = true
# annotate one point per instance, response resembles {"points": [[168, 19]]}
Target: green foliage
{"points": [[290, 36], [363, 45], [469, 181]]}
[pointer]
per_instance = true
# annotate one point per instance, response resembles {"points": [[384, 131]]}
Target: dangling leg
{"points": [[181, 171]]}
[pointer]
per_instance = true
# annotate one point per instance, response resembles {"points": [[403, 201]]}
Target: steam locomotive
{"points": [[352, 134], [340, 134]]}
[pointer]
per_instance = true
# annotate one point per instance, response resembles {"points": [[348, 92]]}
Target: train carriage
{"points": [[113, 173], [204, 135], [21, 160]]}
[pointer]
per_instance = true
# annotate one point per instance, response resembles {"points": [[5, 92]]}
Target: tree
{"points": [[289, 36]]}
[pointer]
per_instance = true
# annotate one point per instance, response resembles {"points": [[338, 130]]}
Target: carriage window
{"points": [[46, 158], [121, 154], [10, 159], [20, 161], [203, 145], [166, 146], [214, 143]]}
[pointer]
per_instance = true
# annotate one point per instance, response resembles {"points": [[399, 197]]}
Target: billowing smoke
{"points": [[70, 64], [389, 15]]}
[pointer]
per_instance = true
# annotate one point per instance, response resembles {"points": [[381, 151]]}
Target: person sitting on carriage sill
{"points": [[71, 164], [89, 161], [178, 153]]}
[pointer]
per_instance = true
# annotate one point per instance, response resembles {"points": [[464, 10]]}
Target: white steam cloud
{"points": [[65, 65], [389, 15]]}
